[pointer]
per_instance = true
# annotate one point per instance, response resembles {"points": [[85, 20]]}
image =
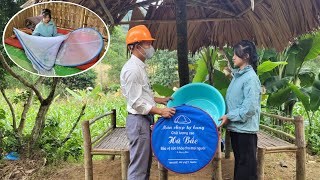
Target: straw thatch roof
{"points": [[272, 24]]}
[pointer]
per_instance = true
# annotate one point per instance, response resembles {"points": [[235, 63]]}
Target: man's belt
{"points": [[150, 117]]}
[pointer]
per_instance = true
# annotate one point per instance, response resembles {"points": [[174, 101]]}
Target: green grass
{"points": [[20, 58], [66, 109]]}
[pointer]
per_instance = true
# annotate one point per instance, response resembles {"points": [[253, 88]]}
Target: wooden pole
{"points": [[182, 41], [113, 125], [87, 151], [277, 117], [114, 119], [261, 155], [216, 163], [227, 145], [125, 159], [163, 172], [301, 151]]}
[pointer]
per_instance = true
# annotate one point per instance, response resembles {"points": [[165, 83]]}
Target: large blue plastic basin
{"points": [[203, 96]]}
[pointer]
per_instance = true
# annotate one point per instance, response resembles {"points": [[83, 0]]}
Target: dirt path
{"points": [[108, 169]]}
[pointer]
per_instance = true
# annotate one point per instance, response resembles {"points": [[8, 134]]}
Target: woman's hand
{"points": [[224, 120]]}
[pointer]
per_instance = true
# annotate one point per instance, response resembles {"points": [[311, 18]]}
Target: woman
{"points": [[243, 110], [46, 27]]}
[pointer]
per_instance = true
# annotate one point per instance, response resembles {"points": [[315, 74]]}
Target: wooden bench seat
{"points": [[116, 140], [268, 141]]}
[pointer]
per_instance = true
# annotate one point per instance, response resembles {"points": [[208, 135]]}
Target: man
{"points": [[141, 104]]}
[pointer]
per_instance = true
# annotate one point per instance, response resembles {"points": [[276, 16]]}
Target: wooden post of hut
{"points": [[301, 149], [87, 151], [182, 41]]}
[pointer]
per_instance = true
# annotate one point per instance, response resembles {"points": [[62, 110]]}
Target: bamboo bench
{"points": [[112, 141], [271, 140]]}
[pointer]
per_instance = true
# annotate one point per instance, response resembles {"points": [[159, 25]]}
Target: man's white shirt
{"points": [[135, 87]]}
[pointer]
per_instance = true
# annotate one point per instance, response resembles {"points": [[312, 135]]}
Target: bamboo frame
{"points": [[163, 172], [278, 117], [260, 158], [216, 163], [301, 151], [88, 150], [125, 159], [112, 151], [227, 145], [277, 132], [112, 154], [101, 135], [92, 121], [173, 21]]}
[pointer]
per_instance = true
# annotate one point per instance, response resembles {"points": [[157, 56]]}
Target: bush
{"points": [[163, 68], [80, 81], [116, 56], [50, 143], [8, 139], [312, 132]]}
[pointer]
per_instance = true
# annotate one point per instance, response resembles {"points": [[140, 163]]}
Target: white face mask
{"points": [[149, 52]]}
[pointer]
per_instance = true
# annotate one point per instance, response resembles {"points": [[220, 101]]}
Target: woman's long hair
{"points": [[46, 12], [246, 50]]}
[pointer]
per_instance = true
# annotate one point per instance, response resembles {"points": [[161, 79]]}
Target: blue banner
{"points": [[186, 142]]}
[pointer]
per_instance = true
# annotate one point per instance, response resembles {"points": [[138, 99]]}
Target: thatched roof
{"points": [[272, 24]]}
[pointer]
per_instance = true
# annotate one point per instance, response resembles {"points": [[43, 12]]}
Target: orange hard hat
{"points": [[137, 34]]}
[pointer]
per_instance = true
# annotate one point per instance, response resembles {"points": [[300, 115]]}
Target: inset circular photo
{"points": [[56, 39]]}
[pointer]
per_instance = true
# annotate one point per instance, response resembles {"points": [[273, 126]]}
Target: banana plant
{"points": [[279, 82], [209, 69]]}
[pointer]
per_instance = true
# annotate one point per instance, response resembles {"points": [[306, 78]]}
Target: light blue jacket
{"points": [[243, 101], [45, 30]]}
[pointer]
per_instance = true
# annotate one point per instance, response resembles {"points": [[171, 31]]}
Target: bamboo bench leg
{"points": [[227, 145], [87, 151], [261, 155], [301, 151], [125, 158], [163, 172], [88, 166], [216, 163]]}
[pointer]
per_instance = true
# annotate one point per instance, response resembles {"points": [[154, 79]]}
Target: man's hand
{"points": [[163, 101], [167, 112], [224, 120]]}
